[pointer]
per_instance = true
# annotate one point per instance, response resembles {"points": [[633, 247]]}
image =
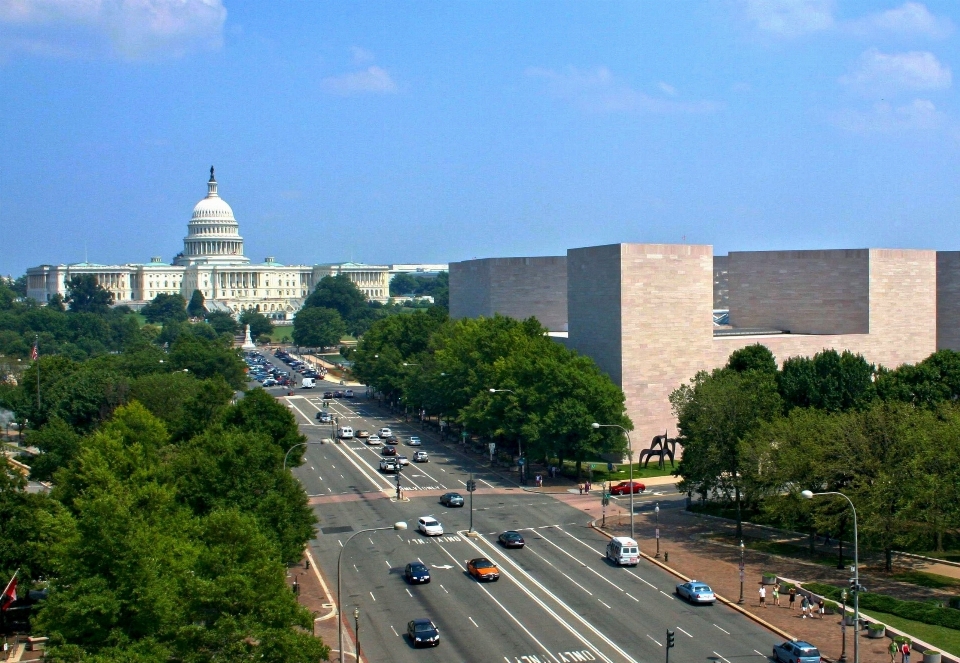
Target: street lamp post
{"points": [[843, 627], [740, 600], [519, 441], [656, 510], [400, 525], [356, 630], [287, 455], [855, 588], [595, 425]]}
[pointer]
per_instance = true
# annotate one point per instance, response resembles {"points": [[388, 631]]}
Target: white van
{"points": [[308, 383], [345, 432], [623, 551]]}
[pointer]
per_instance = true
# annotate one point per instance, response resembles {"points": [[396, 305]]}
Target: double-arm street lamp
{"points": [[595, 425], [519, 441], [286, 456], [856, 572], [397, 526]]}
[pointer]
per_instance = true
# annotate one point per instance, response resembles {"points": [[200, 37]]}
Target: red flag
{"points": [[34, 353], [9, 594]]}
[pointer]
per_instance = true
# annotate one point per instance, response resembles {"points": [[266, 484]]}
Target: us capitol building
{"points": [[213, 262]]}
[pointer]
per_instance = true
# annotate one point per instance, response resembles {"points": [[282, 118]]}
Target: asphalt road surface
{"points": [[557, 599]]}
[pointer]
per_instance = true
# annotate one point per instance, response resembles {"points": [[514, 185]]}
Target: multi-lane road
{"points": [[557, 600]]}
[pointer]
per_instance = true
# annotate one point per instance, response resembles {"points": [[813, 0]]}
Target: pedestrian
{"points": [[776, 593], [763, 596], [792, 594], [580, 486], [820, 607], [892, 650], [586, 487], [905, 652], [804, 604]]}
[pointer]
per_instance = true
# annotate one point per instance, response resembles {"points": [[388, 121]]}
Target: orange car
{"points": [[482, 569]]}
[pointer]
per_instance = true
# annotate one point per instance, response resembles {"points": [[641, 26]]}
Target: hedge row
{"points": [[925, 613]]}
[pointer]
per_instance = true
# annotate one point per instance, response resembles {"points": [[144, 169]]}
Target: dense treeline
{"points": [[754, 436], [447, 368], [171, 520]]}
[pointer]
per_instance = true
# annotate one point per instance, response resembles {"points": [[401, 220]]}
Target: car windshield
{"points": [[417, 568], [483, 564], [430, 523], [424, 628], [511, 535], [809, 651]]}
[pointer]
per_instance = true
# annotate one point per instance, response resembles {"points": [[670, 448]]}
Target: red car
{"points": [[623, 488]]}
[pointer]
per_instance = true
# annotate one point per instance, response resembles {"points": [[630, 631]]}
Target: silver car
{"points": [[696, 592], [414, 441]]}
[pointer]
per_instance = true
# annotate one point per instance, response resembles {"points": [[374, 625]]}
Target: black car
{"points": [[451, 499], [338, 394], [328, 394], [423, 633], [416, 573], [511, 539], [389, 451], [391, 439]]}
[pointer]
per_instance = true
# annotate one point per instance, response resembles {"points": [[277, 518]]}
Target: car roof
{"points": [[803, 644], [421, 621]]}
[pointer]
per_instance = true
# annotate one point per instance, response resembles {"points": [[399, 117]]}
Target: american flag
{"points": [[35, 352], [9, 595]]}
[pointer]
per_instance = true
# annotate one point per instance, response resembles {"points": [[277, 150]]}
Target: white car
{"points": [[420, 457], [429, 526], [373, 441], [403, 460], [414, 441], [384, 432]]}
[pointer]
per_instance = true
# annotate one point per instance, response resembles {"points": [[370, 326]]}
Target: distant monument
{"points": [[247, 341]]}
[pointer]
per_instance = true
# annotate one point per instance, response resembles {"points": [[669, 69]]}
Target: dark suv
{"points": [[451, 499]]}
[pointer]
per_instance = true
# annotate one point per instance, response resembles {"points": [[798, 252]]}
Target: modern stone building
{"points": [[643, 312], [213, 262]]}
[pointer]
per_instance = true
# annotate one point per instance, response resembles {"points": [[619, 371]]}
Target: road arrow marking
{"points": [[442, 566]]}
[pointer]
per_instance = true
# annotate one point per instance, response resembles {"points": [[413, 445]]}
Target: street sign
{"points": [[658, 532], [521, 462], [471, 485], [743, 576]]}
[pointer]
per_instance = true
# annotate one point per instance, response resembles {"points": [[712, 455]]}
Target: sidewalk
{"points": [[318, 595]]}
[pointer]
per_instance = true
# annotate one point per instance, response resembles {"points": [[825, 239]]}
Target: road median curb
{"points": [[725, 601]]}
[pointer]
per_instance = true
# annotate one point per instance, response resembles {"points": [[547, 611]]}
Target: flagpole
{"points": [[36, 352], [8, 594]]}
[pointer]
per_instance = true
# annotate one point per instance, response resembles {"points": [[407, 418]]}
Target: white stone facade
{"points": [[214, 263]]}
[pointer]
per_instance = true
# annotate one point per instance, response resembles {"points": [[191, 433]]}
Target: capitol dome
{"points": [[213, 234]]}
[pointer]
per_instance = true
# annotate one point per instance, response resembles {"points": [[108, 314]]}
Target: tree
{"points": [[756, 357], [260, 326], [195, 308], [19, 285], [206, 358], [403, 284], [165, 309], [830, 381], [223, 322], [85, 295], [339, 293], [56, 303], [318, 327]]}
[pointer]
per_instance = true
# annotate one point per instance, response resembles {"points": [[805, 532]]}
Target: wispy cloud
{"points": [[789, 18], [912, 19], [128, 29], [667, 89], [885, 74], [372, 80], [361, 56], [598, 91], [886, 118]]}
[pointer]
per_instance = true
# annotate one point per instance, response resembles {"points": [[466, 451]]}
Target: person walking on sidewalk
{"points": [[580, 486], [763, 596], [892, 650], [905, 652], [793, 596], [776, 593], [820, 609], [804, 604]]}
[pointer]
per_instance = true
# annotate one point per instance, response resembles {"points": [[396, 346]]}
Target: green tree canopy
{"points": [[165, 308], [339, 293], [85, 295], [195, 308], [223, 322], [260, 326], [318, 327]]}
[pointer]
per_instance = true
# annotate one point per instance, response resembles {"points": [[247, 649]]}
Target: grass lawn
{"points": [[621, 473], [282, 334], [924, 579], [946, 639]]}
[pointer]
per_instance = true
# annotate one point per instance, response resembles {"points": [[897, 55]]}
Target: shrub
{"points": [[875, 627], [925, 613], [954, 602]]}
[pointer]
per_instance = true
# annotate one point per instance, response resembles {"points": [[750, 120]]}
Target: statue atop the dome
{"points": [[211, 174]]}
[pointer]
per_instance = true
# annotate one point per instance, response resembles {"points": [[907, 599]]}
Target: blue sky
{"points": [[442, 131]]}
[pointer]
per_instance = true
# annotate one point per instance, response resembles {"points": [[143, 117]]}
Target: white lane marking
{"points": [[313, 468], [558, 618], [673, 599], [633, 597], [375, 598], [375, 483], [502, 607], [724, 630], [394, 631], [759, 654], [482, 481], [561, 572], [330, 490], [355, 568], [409, 594], [388, 563], [320, 477], [461, 481], [473, 622], [599, 575], [603, 603], [370, 539], [340, 542], [342, 477], [442, 470], [309, 421], [444, 588], [652, 638], [721, 657], [690, 636]]}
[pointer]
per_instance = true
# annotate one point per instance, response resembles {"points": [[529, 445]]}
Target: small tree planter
{"points": [[769, 578], [876, 631], [848, 619], [931, 656]]}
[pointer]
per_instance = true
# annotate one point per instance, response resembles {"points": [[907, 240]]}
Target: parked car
{"points": [[796, 652], [623, 488], [696, 592], [451, 499], [416, 573], [483, 569], [511, 539], [420, 457], [423, 632]]}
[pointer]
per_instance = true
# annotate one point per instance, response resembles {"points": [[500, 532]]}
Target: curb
{"points": [[767, 625]]}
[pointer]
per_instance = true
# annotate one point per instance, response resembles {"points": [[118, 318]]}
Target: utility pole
{"points": [[656, 510], [671, 641], [471, 486], [356, 629]]}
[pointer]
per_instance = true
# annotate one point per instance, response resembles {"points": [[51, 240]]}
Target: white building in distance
{"points": [[214, 263]]}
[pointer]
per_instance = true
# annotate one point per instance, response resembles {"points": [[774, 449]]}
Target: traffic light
{"points": [[853, 584], [671, 638]]}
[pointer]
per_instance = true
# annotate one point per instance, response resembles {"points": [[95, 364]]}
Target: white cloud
{"points": [[667, 89], [360, 55], [885, 118], [789, 18], [910, 19], [373, 79], [130, 29], [883, 74], [598, 91]]}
